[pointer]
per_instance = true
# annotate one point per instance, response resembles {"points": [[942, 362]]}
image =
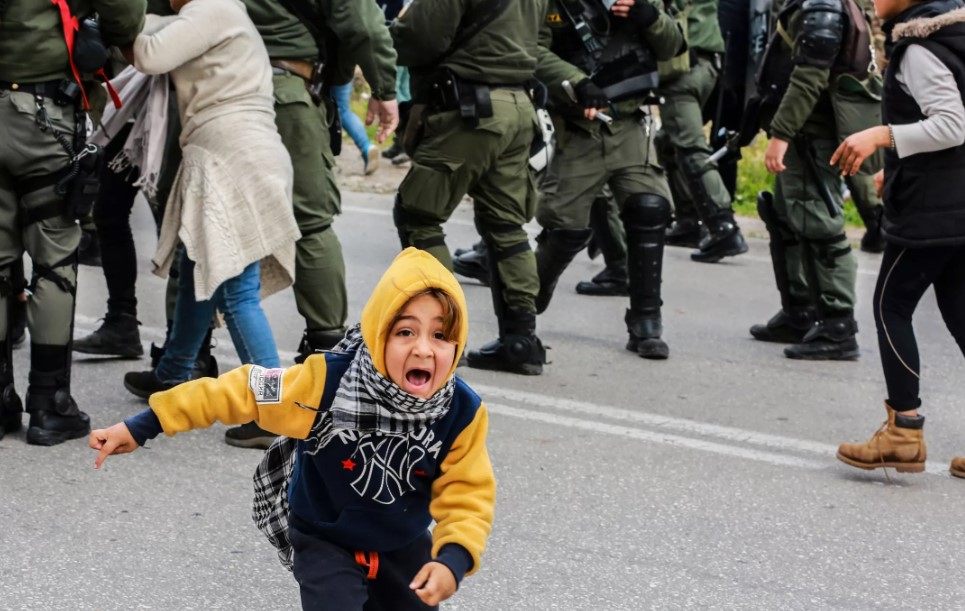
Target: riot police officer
{"points": [[471, 63], [44, 182], [818, 78], [607, 59], [697, 187]]}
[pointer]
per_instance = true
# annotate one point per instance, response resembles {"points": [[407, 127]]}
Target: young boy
{"points": [[389, 440]]}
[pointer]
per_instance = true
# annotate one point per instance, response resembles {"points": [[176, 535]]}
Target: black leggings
{"points": [[905, 275], [112, 217]]}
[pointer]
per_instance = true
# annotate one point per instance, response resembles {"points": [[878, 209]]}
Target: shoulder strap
{"points": [[298, 9], [473, 22]]}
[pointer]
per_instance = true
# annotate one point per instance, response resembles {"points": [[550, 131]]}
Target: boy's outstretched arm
{"points": [[277, 399]]}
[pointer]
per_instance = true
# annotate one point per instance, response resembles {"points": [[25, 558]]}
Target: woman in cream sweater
{"points": [[231, 202]]}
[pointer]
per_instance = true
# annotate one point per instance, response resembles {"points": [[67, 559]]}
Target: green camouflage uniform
{"points": [[591, 155], [698, 190], [34, 217], [486, 158], [815, 267]]}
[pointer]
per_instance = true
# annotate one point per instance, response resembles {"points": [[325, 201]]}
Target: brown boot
{"points": [[898, 444], [958, 466]]}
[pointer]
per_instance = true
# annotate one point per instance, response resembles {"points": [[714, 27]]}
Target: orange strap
{"points": [[371, 562], [71, 26]]}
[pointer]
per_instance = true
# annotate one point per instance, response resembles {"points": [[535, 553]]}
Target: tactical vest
{"points": [[621, 64], [854, 58]]}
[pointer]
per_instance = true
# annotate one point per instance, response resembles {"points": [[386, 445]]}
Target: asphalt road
{"points": [[705, 481]]}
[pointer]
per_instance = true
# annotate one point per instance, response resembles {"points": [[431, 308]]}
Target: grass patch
{"points": [[753, 177]]}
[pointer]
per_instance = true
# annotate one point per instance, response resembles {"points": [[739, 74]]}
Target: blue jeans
{"points": [[237, 298], [350, 121]]}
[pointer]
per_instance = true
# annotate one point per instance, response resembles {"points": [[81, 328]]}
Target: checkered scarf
{"points": [[368, 402], [365, 401]]}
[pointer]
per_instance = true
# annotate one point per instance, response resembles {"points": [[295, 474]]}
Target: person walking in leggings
{"points": [[924, 216]]}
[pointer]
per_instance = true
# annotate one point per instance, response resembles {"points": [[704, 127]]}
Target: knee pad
{"points": [[646, 210]]}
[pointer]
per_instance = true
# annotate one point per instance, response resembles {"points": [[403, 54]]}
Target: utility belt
{"points": [[64, 92], [79, 181], [447, 91], [313, 73]]}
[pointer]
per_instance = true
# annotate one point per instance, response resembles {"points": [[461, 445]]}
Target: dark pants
{"points": [[112, 216], [331, 578], [905, 275]]}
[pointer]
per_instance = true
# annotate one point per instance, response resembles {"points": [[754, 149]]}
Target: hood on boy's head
{"points": [[413, 271]]}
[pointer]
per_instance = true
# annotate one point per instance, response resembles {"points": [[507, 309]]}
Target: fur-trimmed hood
{"points": [[923, 27]]}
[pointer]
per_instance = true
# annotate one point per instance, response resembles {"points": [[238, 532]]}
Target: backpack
{"points": [[269, 508]]}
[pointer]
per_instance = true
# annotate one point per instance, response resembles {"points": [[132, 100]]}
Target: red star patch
{"points": [[348, 463]]}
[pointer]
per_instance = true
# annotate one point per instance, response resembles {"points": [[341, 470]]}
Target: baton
{"points": [[568, 88]]}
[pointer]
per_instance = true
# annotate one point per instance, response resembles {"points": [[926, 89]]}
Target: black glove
{"points": [[589, 95], [643, 13]]}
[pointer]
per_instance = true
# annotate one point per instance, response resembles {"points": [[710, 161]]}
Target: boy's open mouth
{"points": [[418, 377]]}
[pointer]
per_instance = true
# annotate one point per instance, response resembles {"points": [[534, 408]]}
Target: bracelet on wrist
{"points": [[891, 138]]}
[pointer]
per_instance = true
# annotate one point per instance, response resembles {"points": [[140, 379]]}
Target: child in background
{"points": [[389, 438]]}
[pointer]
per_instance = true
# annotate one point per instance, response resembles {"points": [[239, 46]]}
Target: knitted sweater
{"points": [[231, 203]]}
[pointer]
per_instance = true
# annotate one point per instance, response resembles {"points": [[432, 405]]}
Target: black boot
{"points": [[54, 416], [205, 366], [143, 384], [556, 250], [684, 233], [612, 281], [317, 341], [645, 329], [11, 408], [473, 264], [723, 239], [117, 336], [645, 217], [830, 339], [517, 350], [786, 327]]}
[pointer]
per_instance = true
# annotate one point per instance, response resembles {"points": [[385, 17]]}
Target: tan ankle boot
{"points": [[898, 444], [958, 466]]}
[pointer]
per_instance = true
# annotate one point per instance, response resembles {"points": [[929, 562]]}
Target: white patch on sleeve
{"points": [[265, 384]]}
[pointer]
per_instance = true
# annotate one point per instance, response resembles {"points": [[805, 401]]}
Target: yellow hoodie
{"points": [[441, 471]]}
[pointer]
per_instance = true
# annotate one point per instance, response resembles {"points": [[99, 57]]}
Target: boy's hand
{"points": [[114, 440], [434, 583]]}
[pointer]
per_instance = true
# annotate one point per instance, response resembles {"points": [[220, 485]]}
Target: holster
{"points": [[449, 92]]}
